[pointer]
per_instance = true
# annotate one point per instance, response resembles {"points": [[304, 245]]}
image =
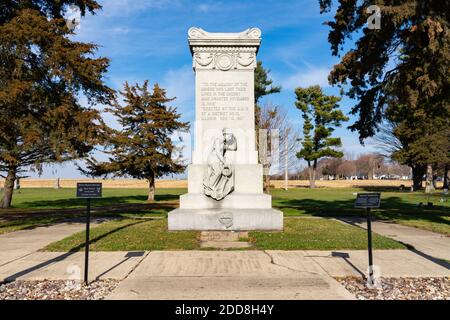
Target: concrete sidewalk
{"points": [[225, 275], [19, 244], [427, 243], [70, 266], [222, 274], [262, 274]]}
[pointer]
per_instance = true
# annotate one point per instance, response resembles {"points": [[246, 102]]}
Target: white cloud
{"points": [[204, 7], [306, 78], [120, 30], [208, 7]]}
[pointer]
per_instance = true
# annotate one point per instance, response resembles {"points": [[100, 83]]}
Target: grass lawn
{"points": [[129, 235], [36, 206], [10, 225], [66, 198], [400, 207], [299, 234], [319, 234]]}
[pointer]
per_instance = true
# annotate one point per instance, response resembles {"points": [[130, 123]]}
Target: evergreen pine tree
{"points": [[42, 75], [143, 147], [320, 115]]}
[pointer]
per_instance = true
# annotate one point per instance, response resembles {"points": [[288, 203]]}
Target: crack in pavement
{"points": [[272, 261], [137, 265]]}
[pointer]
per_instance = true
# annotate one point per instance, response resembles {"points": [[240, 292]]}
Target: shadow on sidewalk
{"points": [[346, 256], [356, 221], [74, 250], [128, 256]]}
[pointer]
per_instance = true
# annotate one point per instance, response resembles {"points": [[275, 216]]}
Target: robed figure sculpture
{"points": [[219, 179]]}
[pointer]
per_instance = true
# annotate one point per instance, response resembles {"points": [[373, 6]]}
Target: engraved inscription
{"points": [[224, 101]]}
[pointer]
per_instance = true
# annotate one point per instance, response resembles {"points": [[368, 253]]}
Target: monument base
{"points": [[225, 219], [232, 201]]}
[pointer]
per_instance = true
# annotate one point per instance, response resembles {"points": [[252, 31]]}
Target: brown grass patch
{"points": [[165, 184]]}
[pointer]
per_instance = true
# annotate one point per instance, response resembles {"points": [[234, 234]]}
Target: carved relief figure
{"points": [[219, 180]]}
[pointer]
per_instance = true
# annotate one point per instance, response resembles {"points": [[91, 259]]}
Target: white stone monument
{"points": [[225, 180]]}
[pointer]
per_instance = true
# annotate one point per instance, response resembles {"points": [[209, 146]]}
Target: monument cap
{"points": [[198, 37]]}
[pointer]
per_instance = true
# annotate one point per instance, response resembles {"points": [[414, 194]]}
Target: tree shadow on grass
{"points": [[105, 201], [104, 235], [101, 211], [26, 220], [391, 208]]}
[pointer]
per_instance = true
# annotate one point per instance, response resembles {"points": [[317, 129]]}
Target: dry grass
{"points": [[107, 183], [346, 183], [166, 184]]}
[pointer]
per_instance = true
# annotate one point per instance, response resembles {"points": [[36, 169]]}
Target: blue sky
{"points": [[147, 39]]}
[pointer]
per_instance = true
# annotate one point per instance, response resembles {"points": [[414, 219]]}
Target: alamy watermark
{"points": [[374, 20], [73, 18], [374, 277], [74, 281]]}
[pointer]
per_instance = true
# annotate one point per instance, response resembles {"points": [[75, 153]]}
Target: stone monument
{"points": [[225, 180]]}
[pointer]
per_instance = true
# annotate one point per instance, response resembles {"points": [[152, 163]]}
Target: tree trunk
{"points": [[370, 174], [8, 188], [312, 176], [417, 175], [151, 188], [429, 187], [446, 173]]}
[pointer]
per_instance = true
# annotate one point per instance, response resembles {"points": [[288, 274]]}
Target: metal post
{"points": [[369, 238], [86, 250]]}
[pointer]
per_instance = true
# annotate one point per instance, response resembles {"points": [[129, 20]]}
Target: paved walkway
{"points": [[226, 275], [19, 244], [426, 243], [221, 274], [70, 266], [262, 274]]}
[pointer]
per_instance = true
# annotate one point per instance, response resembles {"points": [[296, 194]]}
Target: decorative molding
{"points": [[225, 61], [224, 51], [224, 58], [203, 59], [199, 33]]}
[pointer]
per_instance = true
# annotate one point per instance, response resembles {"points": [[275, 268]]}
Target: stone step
{"points": [[223, 239], [225, 244], [222, 236]]}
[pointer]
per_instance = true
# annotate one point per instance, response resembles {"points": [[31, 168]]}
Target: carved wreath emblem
{"points": [[224, 60], [226, 219], [204, 58]]}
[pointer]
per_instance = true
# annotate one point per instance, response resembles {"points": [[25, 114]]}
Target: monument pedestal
{"points": [[247, 208], [225, 181], [226, 219]]}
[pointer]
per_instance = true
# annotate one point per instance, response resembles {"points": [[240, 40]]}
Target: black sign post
{"points": [[88, 191], [368, 201]]}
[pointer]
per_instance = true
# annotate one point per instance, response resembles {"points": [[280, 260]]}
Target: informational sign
{"points": [[368, 200], [89, 190]]}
